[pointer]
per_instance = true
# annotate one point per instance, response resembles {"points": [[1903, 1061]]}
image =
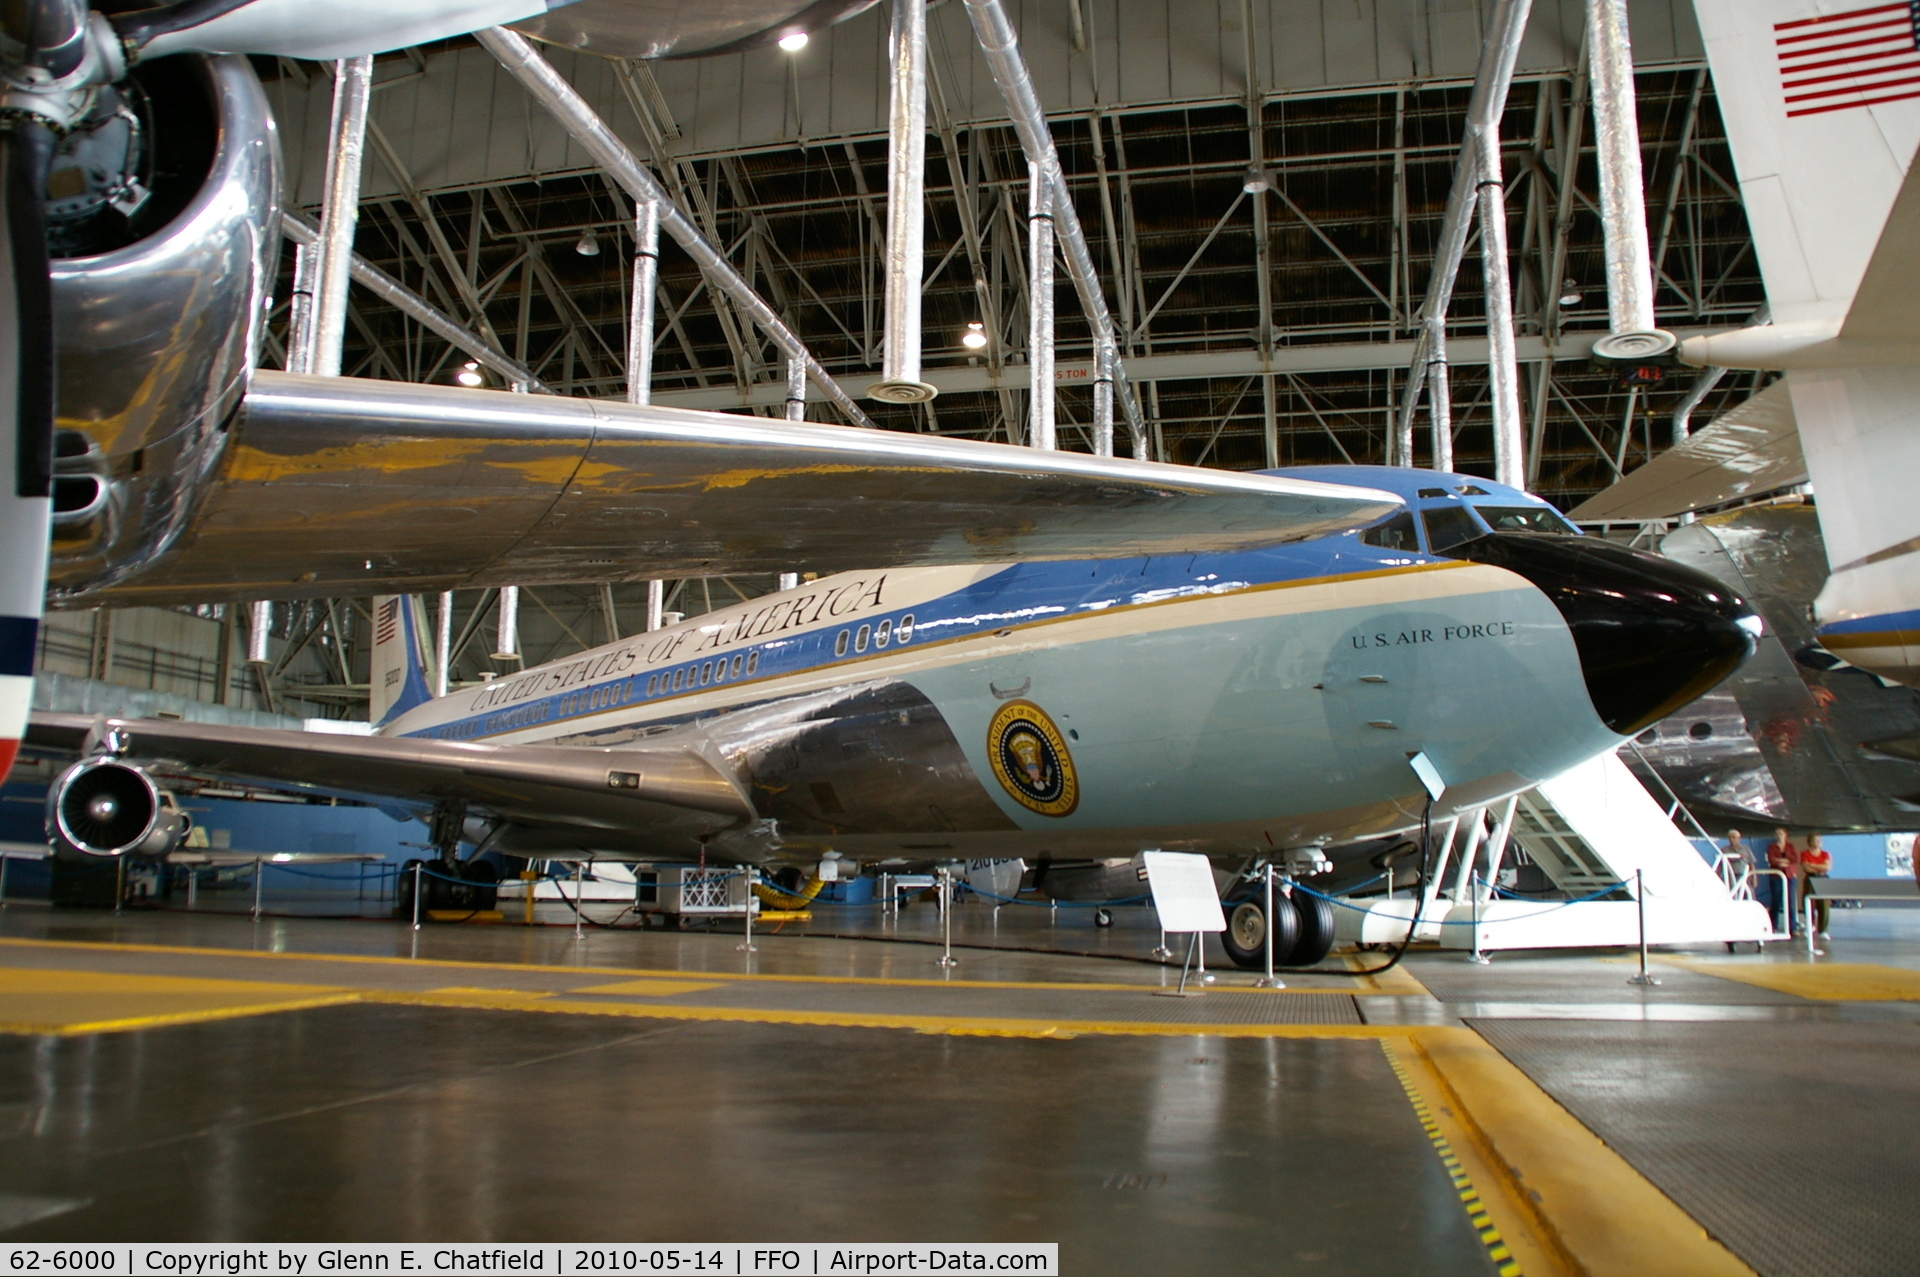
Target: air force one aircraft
{"points": [[1243, 705]]}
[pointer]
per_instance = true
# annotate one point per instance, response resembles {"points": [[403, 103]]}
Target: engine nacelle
{"points": [[163, 220], [104, 807]]}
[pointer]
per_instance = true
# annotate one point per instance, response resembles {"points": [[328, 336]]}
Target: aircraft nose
{"points": [[1652, 634]]}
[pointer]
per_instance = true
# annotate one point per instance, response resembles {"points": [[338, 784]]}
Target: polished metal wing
{"points": [[674, 794], [1753, 448], [332, 486]]}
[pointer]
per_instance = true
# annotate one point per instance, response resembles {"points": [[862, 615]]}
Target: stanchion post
{"points": [[1806, 925], [747, 945], [1267, 981], [1473, 893], [1161, 951], [1640, 906], [579, 894], [418, 868], [946, 918], [259, 879]]}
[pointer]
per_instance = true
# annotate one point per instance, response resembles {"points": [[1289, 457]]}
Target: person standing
{"points": [[1783, 856], [1739, 860], [1816, 862]]}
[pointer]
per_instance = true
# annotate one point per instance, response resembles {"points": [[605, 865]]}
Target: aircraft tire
{"points": [[1245, 938], [1315, 941]]}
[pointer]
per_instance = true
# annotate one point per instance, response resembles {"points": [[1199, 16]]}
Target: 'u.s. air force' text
{"points": [[1445, 634]]}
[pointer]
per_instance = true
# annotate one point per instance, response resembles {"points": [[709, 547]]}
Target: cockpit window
{"points": [[1523, 518], [1448, 526], [1394, 534]]}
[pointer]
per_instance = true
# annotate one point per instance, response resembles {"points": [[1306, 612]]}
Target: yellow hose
{"points": [[780, 898]]}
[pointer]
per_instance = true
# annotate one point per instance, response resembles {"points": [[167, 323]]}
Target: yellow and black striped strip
{"points": [[1503, 1261]]}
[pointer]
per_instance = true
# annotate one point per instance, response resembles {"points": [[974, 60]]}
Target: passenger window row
{"points": [[703, 674], [877, 638]]}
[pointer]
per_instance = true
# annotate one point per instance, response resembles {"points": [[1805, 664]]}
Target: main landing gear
{"points": [[1302, 934]]}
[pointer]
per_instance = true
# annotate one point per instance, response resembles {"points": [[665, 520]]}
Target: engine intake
{"points": [[103, 807]]}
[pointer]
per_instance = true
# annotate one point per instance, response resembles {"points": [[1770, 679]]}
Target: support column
{"points": [[1103, 399], [506, 645], [1439, 401], [306, 266], [1503, 365], [340, 211], [1623, 202], [796, 390], [443, 643], [656, 604], [646, 273], [1040, 415], [906, 208]]}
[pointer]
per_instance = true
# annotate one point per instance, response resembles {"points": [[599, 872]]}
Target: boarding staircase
{"points": [[1600, 838]]}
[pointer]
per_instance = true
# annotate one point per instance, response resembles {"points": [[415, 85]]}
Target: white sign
{"points": [[1183, 891], [1899, 855]]}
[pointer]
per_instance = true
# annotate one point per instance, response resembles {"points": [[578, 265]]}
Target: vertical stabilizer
{"points": [[397, 674], [1821, 100]]}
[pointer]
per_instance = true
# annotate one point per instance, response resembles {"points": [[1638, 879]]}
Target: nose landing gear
{"points": [[1303, 931]]}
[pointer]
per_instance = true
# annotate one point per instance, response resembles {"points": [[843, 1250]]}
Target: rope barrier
{"points": [[1341, 904]]}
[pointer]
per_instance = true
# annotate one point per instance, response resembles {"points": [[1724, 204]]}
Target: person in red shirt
{"points": [[1815, 862], [1784, 856]]}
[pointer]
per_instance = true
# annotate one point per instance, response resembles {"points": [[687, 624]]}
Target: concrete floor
{"points": [[169, 1076]]}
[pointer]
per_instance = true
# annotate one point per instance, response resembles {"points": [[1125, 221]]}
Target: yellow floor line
{"points": [[944, 1024], [651, 988], [1506, 1227], [47, 1027], [1823, 982], [1605, 1215], [50, 1001], [660, 973]]}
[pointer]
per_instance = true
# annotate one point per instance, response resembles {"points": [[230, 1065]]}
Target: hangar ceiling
{"points": [[474, 198]]}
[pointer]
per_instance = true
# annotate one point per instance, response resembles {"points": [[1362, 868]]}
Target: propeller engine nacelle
{"points": [[163, 222], [104, 807]]}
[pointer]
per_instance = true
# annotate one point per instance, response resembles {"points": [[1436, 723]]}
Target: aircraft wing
{"points": [[338, 485], [666, 791], [1752, 448]]}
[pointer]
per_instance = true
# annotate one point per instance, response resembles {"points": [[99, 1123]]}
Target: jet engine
{"points": [[163, 213], [105, 807]]}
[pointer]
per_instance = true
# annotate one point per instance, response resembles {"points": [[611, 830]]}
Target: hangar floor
{"points": [[176, 1076]]}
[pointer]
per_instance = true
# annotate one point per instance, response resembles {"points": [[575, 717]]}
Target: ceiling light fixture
{"points": [[795, 42], [1256, 181], [469, 374], [975, 337], [1570, 293], [588, 245]]}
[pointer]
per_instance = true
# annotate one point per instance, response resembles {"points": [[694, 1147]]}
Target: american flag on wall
{"points": [[1846, 60]]}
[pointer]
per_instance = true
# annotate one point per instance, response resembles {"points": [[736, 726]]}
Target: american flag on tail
{"points": [[387, 622], [1847, 60]]}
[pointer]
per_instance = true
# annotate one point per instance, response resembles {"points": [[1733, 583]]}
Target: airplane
{"points": [[1799, 737], [1822, 113], [1250, 705]]}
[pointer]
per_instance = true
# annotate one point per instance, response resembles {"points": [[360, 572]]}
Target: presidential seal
{"points": [[1030, 759]]}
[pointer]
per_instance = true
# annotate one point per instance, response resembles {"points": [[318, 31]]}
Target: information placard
{"points": [[1184, 894]]}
